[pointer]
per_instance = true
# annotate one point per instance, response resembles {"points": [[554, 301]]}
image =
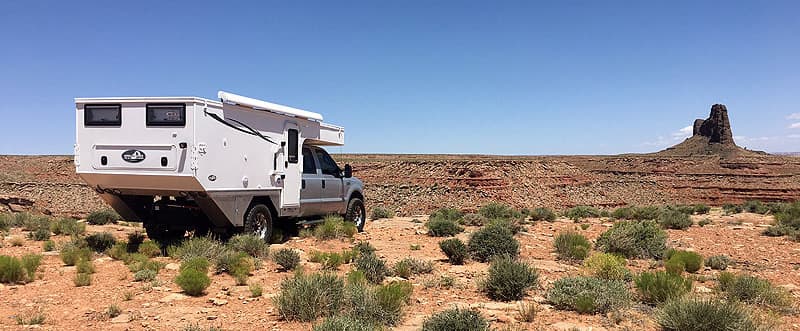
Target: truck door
{"points": [[290, 194], [311, 186], [332, 195]]}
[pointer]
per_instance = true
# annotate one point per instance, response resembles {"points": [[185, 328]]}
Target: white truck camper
{"points": [[235, 165]]}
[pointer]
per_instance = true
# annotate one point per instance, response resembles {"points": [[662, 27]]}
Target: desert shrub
{"points": [[100, 242], [138, 262], [414, 247], [287, 258], [455, 250], [71, 254], [67, 226], [659, 287], [206, 247], [753, 290], [31, 317], [144, 275], [607, 266], [452, 214], [381, 212], [692, 262], [624, 213], [634, 239], [701, 209], [526, 312], [543, 214], [588, 295], [443, 227], [84, 267], [119, 251], [30, 262], [572, 246], [389, 301], [364, 247], [674, 219], [686, 209], [334, 227], [11, 270], [755, 206], [491, 241], [456, 319], [718, 262], [578, 213], [17, 241], [307, 297], [509, 279], [343, 323], [789, 217], [250, 244], [227, 261], [473, 220], [496, 210], [102, 217], [149, 248], [256, 290], [585, 226], [82, 280], [48, 246], [5, 222], [329, 260], [410, 266], [40, 234], [373, 267], [778, 231], [134, 240], [20, 219], [675, 267], [730, 208], [695, 314], [193, 276], [242, 269], [442, 281], [704, 222], [34, 223], [513, 224]]}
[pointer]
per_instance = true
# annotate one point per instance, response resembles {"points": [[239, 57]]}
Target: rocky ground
{"points": [[162, 306]]}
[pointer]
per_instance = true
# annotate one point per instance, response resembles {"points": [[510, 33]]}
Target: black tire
{"points": [[258, 222], [356, 213]]}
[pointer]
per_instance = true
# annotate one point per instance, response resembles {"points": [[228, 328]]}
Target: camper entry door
{"points": [[291, 155]]}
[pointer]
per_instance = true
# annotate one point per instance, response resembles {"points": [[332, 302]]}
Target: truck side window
{"points": [[327, 164], [308, 162], [292, 153]]}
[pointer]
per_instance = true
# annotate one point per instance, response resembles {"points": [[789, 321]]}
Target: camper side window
{"points": [[292, 148]]}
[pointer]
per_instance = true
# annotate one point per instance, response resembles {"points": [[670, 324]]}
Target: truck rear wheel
{"points": [[258, 222], [356, 213]]}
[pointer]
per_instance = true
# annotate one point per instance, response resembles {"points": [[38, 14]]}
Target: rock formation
{"points": [[712, 136]]}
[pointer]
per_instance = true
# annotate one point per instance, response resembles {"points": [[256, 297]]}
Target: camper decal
{"points": [[133, 156]]}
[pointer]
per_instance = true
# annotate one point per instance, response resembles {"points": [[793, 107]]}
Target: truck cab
{"points": [[325, 187]]}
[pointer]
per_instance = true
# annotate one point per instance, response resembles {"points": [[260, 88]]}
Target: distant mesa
{"points": [[711, 136]]}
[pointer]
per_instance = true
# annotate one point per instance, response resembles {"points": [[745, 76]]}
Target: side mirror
{"points": [[348, 171]]}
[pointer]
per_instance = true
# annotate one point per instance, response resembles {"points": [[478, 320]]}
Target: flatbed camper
{"points": [[230, 165]]}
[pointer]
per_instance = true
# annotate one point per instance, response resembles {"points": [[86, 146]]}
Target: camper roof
{"points": [[244, 101]]}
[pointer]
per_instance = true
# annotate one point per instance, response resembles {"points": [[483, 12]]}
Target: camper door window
{"points": [[292, 153], [102, 115]]}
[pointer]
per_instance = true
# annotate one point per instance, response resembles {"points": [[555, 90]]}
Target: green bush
{"points": [[287, 258], [193, 282], [753, 290], [456, 319], [256, 290], [491, 241], [607, 266], [135, 239], [102, 217], [701, 209], [35, 223], [82, 280], [674, 219], [692, 262], [138, 262], [49, 246], [730, 208], [5, 222], [588, 295], [71, 254], [84, 267], [473, 220], [40, 234], [334, 227], [443, 227], [144, 275], [307, 297], [695, 314], [149, 248], [67, 226], [455, 250], [718, 262], [381, 212], [343, 323], [513, 224], [19, 270], [496, 210], [755, 206], [410, 266], [373, 267], [580, 212], [329, 260], [543, 214], [634, 239], [200, 264], [509, 280], [119, 251], [391, 298], [364, 247], [250, 244], [206, 247], [660, 287], [451, 214], [675, 267], [572, 246], [100, 242], [704, 222]]}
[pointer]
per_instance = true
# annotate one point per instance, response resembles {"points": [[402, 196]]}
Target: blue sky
{"points": [[505, 77]]}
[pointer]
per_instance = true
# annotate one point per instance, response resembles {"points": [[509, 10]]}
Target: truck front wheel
{"points": [[356, 213], [258, 222]]}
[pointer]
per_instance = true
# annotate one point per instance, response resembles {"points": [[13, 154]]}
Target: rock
{"points": [[717, 128], [122, 318], [388, 280], [211, 317], [172, 266], [173, 297], [702, 289], [218, 302]]}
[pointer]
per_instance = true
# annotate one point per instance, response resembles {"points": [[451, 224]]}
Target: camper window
{"points": [[166, 114], [292, 153], [102, 115]]}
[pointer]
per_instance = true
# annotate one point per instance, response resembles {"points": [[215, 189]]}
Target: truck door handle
{"points": [[323, 183]]}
